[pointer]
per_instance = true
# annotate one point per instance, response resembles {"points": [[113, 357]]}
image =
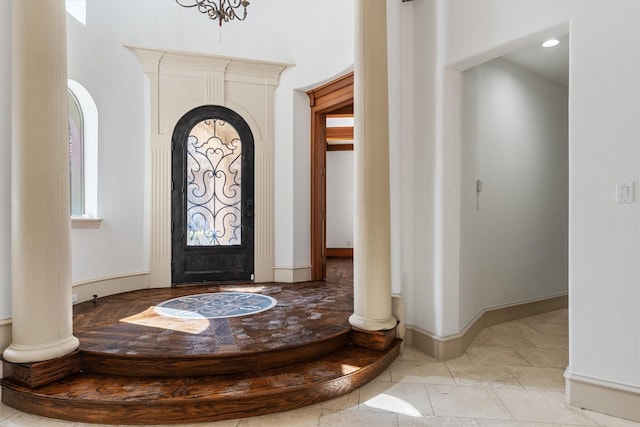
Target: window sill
{"points": [[81, 222]]}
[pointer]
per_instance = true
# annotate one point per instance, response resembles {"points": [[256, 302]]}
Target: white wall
{"points": [[99, 61], [416, 84], [5, 161], [462, 41], [514, 243], [111, 72], [327, 53], [604, 148], [113, 75], [340, 199]]}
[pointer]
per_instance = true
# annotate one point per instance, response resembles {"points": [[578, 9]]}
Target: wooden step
{"points": [[122, 335], [208, 364], [97, 398]]}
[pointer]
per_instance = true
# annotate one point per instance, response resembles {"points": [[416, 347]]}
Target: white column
{"points": [[372, 241], [41, 240]]}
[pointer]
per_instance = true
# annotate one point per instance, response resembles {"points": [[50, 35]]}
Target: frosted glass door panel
{"points": [[214, 191]]}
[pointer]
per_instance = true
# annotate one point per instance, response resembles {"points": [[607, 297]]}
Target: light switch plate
{"points": [[624, 192]]}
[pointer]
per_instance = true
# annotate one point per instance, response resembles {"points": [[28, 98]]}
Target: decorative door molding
{"points": [[179, 82]]}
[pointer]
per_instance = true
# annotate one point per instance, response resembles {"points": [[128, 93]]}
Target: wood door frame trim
{"points": [[340, 252], [339, 147], [342, 133], [333, 97]]}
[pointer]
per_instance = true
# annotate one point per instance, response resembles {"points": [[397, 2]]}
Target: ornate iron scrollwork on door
{"points": [[213, 184]]}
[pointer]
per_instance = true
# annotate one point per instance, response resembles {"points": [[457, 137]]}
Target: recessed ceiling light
{"points": [[551, 43]]}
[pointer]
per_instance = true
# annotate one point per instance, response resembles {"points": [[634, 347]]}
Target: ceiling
{"points": [[551, 62]]}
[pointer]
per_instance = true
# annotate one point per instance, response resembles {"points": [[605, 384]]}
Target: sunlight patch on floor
{"points": [[393, 404], [150, 318], [348, 369]]}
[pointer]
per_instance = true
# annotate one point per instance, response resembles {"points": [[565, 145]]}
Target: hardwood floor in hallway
{"points": [[340, 271]]}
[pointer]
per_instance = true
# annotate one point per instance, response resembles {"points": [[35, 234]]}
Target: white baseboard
{"points": [[607, 397], [292, 274], [110, 285], [452, 346]]}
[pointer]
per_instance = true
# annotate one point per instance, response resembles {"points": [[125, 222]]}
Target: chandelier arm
{"points": [[224, 10]]}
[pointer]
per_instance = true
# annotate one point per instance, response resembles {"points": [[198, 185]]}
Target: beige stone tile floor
{"points": [[511, 376]]}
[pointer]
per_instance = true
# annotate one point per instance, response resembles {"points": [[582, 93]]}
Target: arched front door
{"points": [[212, 197]]}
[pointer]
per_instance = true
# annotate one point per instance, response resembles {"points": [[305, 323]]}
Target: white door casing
{"points": [[179, 82]]}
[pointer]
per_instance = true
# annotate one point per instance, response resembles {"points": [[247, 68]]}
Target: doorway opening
{"points": [[514, 183], [340, 185], [212, 193], [332, 99]]}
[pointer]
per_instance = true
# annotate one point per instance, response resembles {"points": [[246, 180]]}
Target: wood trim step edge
{"points": [[340, 252], [37, 374], [374, 340]]}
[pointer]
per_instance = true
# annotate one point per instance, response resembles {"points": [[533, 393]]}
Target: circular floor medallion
{"points": [[217, 305]]}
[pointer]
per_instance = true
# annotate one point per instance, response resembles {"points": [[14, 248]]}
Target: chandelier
{"points": [[222, 10]]}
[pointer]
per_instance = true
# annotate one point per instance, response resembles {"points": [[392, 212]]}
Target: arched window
{"points": [[83, 157], [76, 155]]}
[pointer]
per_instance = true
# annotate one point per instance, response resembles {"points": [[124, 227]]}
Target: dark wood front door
{"points": [[212, 197]]}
